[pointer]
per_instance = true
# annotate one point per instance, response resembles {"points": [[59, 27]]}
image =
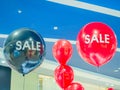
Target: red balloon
{"points": [[64, 75], [75, 86], [96, 43], [110, 88], [62, 51]]}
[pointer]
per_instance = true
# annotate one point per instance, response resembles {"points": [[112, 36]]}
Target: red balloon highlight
{"points": [[96, 43]]}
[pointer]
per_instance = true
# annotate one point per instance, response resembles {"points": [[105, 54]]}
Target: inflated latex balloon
{"points": [[96, 43], [24, 50], [63, 75], [62, 51]]}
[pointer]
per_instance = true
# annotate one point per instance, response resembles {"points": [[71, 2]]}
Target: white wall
{"points": [[50, 84], [29, 81]]}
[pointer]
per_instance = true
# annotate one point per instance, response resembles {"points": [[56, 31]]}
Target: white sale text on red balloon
{"points": [[101, 38]]}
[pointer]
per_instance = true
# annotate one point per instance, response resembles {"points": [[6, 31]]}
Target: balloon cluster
{"points": [[64, 76], [96, 44], [24, 50]]}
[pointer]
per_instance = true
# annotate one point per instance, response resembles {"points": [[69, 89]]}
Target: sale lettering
{"points": [[26, 44], [97, 38]]}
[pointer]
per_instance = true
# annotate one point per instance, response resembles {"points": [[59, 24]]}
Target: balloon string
{"points": [[23, 82], [98, 70]]}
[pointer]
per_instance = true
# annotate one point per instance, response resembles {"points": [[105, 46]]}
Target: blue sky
{"points": [[43, 16]]}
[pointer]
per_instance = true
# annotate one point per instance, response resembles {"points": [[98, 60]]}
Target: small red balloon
{"points": [[63, 75], [75, 86], [96, 43], [62, 51], [110, 88]]}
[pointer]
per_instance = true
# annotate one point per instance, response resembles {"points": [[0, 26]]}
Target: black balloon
{"points": [[24, 50]]}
